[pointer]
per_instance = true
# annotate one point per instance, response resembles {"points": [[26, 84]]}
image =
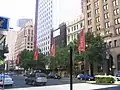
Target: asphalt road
{"points": [[20, 83]]}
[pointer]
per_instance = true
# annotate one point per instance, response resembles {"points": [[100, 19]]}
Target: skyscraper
{"points": [[47, 20]]}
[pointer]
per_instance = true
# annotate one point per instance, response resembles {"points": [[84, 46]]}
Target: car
{"points": [[85, 77], [54, 76], [36, 79], [118, 76], [6, 80]]}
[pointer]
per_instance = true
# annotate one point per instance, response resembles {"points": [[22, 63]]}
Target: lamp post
{"points": [[86, 46]]}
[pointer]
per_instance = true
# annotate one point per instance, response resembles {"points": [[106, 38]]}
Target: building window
{"points": [[87, 1], [89, 14], [77, 26], [97, 19], [74, 27], [81, 25], [117, 21], [107, 24], [72, 37], [31, 38], [106, 15], [110, 43], [68, 38], [68, 30], [96, 4], [115, 3], [90, 22], [115, 43], [98, 27], [88, 7], [116, 11], [117, 30], [32, 32], [28, 38], [96, 11], [105, 7]]}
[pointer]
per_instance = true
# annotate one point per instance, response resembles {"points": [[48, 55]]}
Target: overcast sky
{"points": [[15, 9]]}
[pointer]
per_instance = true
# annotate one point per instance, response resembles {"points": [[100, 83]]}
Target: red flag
{"points": [[18, 59], [52, 49], [81, 42], [36, 54]]}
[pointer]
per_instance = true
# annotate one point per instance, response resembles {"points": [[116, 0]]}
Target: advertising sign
{"points": [[4, 23]]}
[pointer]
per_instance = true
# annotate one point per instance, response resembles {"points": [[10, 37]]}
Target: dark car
{"points": [[36, 79], [85, 77], [54, 76]]}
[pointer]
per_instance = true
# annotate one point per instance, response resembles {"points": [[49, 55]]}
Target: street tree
{"points": [[27, 61], [94, 50]]}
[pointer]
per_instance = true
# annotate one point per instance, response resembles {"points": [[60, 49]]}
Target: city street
{"points": [[20, 83]]}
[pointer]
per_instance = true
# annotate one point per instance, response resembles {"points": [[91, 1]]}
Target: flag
{"points": [[36, 54], [52, 49], [18, 59], [81, 42]]}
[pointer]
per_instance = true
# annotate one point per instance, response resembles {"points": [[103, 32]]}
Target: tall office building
{"points": [[47, 19], [103, 17]]}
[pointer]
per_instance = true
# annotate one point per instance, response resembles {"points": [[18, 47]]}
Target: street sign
{"points": [[4, 23]]}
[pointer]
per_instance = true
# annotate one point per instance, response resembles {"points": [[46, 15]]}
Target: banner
{"points": [[36, 54], [52, 49], [81, 42]]}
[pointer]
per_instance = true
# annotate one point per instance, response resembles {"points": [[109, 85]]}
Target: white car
{"points": [[6, 80]]}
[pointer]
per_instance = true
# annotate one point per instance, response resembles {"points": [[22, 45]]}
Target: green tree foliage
{"points": [[61, 58], [26, 60]]}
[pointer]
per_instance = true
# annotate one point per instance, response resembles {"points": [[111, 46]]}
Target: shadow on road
{"points": [[110, 88]]}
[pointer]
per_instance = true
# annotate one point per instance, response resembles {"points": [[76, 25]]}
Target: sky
{"points": [[16, 9]]}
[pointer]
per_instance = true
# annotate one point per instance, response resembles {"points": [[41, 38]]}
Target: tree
{"points": [[26, 60], [60, 61], [94, 50]]}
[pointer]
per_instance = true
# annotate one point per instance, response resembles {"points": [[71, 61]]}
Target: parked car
{"points": [[36, 79], [6, 80], [118, 76], [11, 74], [54, 76], [85, 77]]}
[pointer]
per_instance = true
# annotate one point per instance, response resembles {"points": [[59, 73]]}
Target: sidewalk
{"points": [[80, 86]]}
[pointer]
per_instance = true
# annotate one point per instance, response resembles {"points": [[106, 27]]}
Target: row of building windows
{"points": [[72, 37], [114, 43], [30, 38], [75, 27], [44, 43], [43, 38]]}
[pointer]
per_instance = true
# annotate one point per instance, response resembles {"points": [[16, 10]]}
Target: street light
{"points": [[86, 46]]}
